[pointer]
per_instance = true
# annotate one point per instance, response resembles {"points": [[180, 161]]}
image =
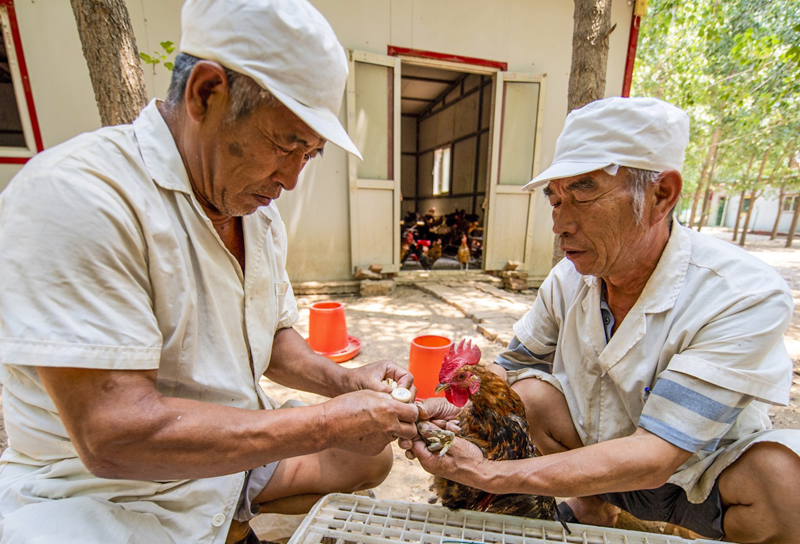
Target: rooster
{"points": [[463, 252], [495, 422]]}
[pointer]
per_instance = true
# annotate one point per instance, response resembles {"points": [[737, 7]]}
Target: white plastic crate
{"points": [[346, 519]]}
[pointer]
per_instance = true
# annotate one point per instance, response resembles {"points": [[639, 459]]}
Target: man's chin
{"points": [[249, 207], [578, 260]]}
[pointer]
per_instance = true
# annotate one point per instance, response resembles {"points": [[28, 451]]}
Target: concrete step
{"points": [[493, 310]]}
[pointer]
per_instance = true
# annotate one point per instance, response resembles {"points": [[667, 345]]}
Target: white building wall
{"points": [[533, 36], [530, 35], [763, 217]]}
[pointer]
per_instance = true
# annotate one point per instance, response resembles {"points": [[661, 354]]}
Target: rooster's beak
{"points": [[441, 387]]}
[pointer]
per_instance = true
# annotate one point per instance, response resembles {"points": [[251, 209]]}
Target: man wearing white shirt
{"points": [[651, 354], [145, 293]]}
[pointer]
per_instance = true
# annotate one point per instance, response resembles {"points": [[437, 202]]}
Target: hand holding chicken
{"points": [[493, 427]]}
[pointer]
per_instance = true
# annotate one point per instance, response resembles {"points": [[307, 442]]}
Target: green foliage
{"points": [[731, 64], [167, 48]]}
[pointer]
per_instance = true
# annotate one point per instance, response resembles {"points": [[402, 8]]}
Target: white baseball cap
{"points": [[286, 46], [644, 133]]}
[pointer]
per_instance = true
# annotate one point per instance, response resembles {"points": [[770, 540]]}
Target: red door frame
{"points": [[630, 59], [26, 84], [394, 51]]}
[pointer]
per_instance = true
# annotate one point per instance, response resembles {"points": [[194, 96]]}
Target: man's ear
{"points": [[206, 89], [667, 191]]}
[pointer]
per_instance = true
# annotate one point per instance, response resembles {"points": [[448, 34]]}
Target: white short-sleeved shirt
{"points": [[108, 261], [697, 359]]}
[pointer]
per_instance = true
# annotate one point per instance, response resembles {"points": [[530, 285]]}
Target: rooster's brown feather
{"points": [[494, 421]]}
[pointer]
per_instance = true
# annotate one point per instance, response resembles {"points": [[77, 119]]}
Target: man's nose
{"points": [[289, 170], [564, 220]]}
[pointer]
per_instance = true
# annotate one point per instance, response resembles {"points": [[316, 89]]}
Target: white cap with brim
{"points": [[286, 46], [644, 133]]}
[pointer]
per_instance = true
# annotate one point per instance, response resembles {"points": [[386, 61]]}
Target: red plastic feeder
{"points": [[425, 361], [327, 332]]}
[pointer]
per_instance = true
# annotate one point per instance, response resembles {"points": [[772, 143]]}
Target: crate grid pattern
{"points": [[355, 519]]}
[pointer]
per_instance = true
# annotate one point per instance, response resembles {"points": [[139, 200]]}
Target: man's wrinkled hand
{"points": [[366, 421], [375, 376], [436, 411], [463, 462]]}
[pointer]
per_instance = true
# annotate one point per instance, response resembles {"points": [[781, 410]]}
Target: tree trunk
{"points": [[739, 214], [778, 215], [696, 198], [590, 30], [109, 47], [712, 151], [789, 155], [793, 226], [754, 196], [709, 185], [741, 198], [587, 76]]}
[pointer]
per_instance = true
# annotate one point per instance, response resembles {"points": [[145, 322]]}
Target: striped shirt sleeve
{"points": [[517, 357], [689, 412]]}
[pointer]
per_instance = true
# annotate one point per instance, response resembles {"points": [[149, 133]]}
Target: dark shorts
{"points": [[669, 503]]}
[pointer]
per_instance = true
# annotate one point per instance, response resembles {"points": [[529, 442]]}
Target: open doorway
{"points": [[418, 118], [445, 120]]}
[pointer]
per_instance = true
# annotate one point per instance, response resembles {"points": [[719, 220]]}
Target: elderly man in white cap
{"points": [[651, 354], [144, 294]]}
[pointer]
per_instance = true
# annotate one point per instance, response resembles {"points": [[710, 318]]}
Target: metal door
{"points": [[373, 122], [516, 133]]}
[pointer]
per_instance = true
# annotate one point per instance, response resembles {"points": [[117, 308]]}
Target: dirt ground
{"points": [[386, 324]]}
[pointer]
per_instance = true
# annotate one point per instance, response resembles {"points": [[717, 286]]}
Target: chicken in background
{"points": [[495, 422], [463, 252], [407, 246], [434, 252]]}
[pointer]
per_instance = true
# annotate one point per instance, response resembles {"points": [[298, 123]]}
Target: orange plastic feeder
{"points": [[424, 362], [327, 332]]}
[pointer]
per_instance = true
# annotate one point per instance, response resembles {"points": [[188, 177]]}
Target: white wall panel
{"points": [[425, 174], [464, 166], [519, 132], [444, 126], [408, 176], [408, 142], [372, 120], [374, 242], [466, 114], [509, 238]]}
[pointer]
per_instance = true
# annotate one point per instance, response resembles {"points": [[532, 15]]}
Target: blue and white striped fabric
{"points": [[517, 356], [691, 413], [685, 411]]}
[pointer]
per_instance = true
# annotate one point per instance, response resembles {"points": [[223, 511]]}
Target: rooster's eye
{"points": [[462, 376]]}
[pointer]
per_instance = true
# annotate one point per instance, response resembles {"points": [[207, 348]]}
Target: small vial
{"points": [[401, 394]]}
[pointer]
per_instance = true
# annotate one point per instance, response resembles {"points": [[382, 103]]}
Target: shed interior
{"points": [[445, 148]]}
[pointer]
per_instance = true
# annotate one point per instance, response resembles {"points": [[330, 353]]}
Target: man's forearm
{"points": [[640, 461], [123, 428], [198, 440], [294, 364]]}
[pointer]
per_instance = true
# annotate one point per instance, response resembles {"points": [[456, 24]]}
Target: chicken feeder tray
{"points": [[354, 519]]}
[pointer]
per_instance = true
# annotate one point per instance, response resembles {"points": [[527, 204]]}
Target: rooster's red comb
{"points": [[457, 357]]}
